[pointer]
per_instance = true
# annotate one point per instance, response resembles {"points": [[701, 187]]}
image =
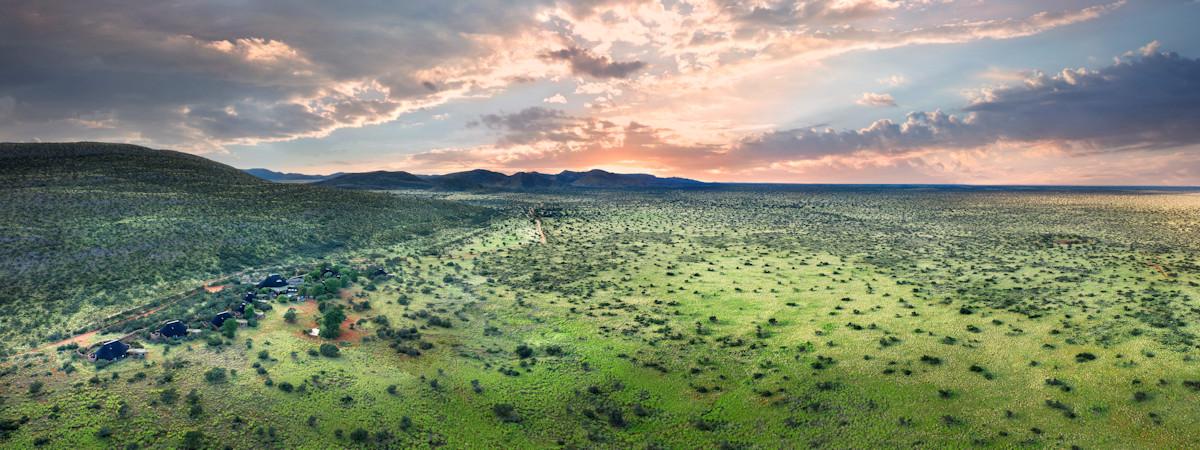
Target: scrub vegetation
{"points": [[91, 230], [731, 317]]}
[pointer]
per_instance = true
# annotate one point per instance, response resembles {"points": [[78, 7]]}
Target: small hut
{"points": [[170, 329], [220, 318], [110, 351]]}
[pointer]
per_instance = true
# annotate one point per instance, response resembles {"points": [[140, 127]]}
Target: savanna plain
{"points": [[739, 316]]}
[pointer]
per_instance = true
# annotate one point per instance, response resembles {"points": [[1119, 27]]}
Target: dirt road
{"points": [[123, 317], [537, 220]]}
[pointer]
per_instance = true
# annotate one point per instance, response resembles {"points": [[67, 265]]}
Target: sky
{"points": [[1100, 92]]}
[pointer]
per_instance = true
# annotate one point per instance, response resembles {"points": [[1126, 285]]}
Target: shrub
{"points": [[330, 350], [524, 351], [215, 375], [195, 410], [193, 440], [168, 396], [506, 413]]}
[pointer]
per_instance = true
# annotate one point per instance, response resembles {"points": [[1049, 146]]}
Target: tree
{"points": [[193, 440], [332, 285], [229, 328], [524, 351], [331, 323], [290, 315], [330, 350]]}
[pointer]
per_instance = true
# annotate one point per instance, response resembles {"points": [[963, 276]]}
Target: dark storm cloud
{"points": [[1151, 101], [584, 62]]}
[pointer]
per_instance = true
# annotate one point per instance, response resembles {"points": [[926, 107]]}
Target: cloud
{"points": [[1146, 105], [258, 50], [893, 80], [877, 100], [537, 139], [202, 77], [555, 99], [795, 12], [199, 76], [7, 106], [583, 62], [1148, 102], [543, 125]]}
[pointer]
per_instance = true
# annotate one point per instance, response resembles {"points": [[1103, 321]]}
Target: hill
{"points": [[480, 179], [376, 180], [285, 177], [89, 229]]}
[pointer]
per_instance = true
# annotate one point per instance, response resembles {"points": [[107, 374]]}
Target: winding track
{"points": [[537, 220]]}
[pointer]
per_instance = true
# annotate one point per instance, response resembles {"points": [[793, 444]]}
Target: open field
{"points": [[741, 317]]}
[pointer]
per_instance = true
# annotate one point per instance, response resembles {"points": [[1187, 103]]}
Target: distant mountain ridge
{"points": [[375, 180], [480, 179], [271, 175]]}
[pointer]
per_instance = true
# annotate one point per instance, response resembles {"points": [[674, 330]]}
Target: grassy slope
{"points": [[90, 229]]}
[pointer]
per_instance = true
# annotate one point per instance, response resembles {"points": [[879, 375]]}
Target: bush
{"points": [[168, 396], [330, 350], [193, 440], [524, 351], [506, 413], [215, 375]]}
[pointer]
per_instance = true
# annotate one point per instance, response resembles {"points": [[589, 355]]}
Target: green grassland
{"points": [[742, 317]]}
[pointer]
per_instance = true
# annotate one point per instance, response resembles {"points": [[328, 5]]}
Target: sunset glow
{"points": [[820, 91]]}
